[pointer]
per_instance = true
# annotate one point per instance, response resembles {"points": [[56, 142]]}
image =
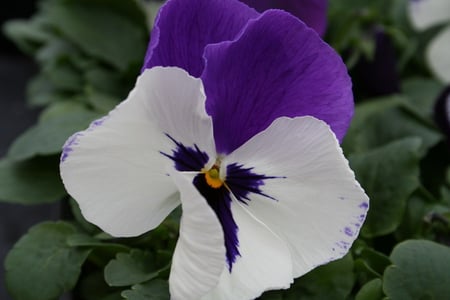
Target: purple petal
{"points": [[183, 29], [312, 12], [276, 67]]}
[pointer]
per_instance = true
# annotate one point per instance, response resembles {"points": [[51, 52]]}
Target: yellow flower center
{"points": [[212, 177]]}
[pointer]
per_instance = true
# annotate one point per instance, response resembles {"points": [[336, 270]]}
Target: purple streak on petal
{"points": [[187, 158], [348, 231], [68, 145], [183, 29], [364, 205], [276, 67], [312, 12], [219, 200], [243, 181]]}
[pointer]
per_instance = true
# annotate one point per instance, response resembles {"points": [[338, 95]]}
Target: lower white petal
{"points": [[438, 54], [318, 206], [264, 262], [199, 256], [115, 169], [426, 13]]}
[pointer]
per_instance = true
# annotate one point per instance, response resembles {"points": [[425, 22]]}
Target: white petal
{"points": [[426, 13], [438, 55], [115, 169], [199, 256], [319, 206], [264, 264]]}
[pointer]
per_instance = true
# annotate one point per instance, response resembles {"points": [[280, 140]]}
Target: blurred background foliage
{"points": [[89, 53]]}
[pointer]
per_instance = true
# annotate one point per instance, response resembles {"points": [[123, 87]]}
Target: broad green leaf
{"points": [[100, 32], [422, 95], [152, 290], [49, 135], [106, 81], [381, 121], [131, 268], [372, 290], [331, 281], [103, 103], [420, 270], [41, 266], [413, 220], [61, 108], [389, 175], [31, 182]]}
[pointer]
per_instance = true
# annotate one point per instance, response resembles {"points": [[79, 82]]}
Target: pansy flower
{"points": [[237, 116], [312, 12], [427, 13]]}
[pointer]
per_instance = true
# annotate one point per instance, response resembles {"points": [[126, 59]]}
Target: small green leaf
{"points": [[422, 94], [49, 135], [30, 182], [389, 175], [41, 266], [152, 290], [374, 261], [28, 35], [131, 268], [420, 271], [372, 290]]}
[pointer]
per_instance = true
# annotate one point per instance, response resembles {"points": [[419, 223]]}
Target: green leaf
{"points": [[372, 261], [422, 94], [131, 268], [41, 91], [381, 121], [49, 135], [152, 290], [63, 76], [420, 271], [389, 175], [41, 266], [372, 290], [92, 286], [28, 35], [100, 32], [31, 182], [331, 281]]}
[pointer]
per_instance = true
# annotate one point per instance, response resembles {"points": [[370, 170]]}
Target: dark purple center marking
{"points": [[220, 201], [240, 180], [187, 158]]}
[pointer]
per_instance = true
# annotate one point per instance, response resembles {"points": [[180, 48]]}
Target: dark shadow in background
{"points": [[15, 70]]}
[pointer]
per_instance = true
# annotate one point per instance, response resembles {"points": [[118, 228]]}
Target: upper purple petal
{"points": [[183, 29], [312, 12], [277, 67]]}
